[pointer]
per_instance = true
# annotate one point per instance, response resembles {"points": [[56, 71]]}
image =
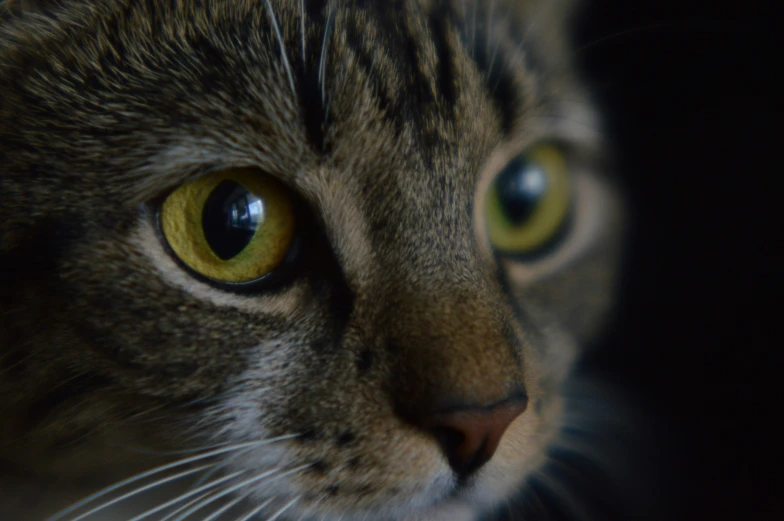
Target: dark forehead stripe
{"points": [[441, 21], [317, 24], [362, 41], [418, 40], [487, 31], [403, 51], [407, 52]]}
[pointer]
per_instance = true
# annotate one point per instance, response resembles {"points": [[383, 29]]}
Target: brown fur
{"points": [[399, 306]]}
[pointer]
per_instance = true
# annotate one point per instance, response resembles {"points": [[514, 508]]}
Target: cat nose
{"points": [[469, 436]]}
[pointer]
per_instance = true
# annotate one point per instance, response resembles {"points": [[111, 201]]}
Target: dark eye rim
{"points": [[276, 280]]}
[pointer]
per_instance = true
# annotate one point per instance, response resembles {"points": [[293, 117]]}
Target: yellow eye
{"points": [[528, 202], [235, 225]]}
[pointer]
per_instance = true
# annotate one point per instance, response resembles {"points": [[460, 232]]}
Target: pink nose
{"points": [[469, 436]]}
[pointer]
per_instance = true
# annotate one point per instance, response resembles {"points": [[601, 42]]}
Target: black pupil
{"points": [[520, 188], [230, 218]]}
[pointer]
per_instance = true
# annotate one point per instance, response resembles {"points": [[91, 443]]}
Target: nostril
{"points": [[470, 436], [465, 456]]}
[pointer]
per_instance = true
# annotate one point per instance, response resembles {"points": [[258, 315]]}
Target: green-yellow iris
{"points": [[528, 202], [234, 225]]}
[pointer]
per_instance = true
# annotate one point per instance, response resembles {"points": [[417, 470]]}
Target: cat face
{"points": [[420, 180]]}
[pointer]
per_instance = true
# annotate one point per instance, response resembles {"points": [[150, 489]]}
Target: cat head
{"points": [[354, 245]]}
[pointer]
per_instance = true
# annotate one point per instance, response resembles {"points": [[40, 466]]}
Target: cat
{"points": [[292, 259]]}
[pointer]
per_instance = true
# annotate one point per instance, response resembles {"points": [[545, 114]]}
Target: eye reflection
{"points": [[230, 218], [520, 187]]}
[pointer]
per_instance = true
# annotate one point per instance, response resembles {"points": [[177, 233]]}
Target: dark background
{"points": [[688, 88]]}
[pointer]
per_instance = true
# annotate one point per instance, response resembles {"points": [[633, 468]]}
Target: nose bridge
{"points": [[451, 349]]}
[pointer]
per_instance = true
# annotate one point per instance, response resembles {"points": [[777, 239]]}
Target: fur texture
{"points": [[389, 119]]}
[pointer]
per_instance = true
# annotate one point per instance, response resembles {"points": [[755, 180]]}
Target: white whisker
{"points": [[163, 468], [255, 510], [283, 54], [307, 511], [139, 490], [221, 465], [282, 510], [225, 508], [324, 47], [239, 499], [186, 495], [498, 39], [237, 486], [203, 502], [186, 506]]}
